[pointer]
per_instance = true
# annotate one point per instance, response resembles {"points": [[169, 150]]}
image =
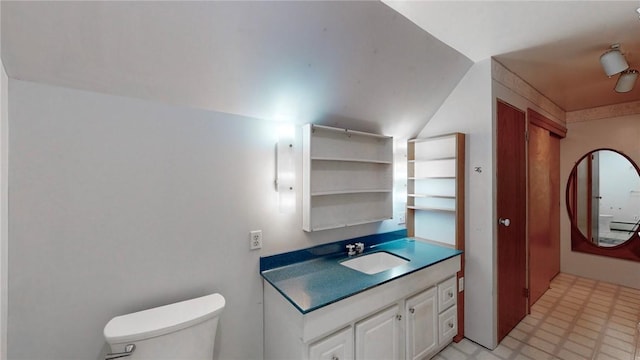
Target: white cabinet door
{"points": [[379, 337], [447, 294], [422, 324], [448, 325], [337, 346]]}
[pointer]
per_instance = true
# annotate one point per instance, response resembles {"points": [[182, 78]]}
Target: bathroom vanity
{"points": [[318, 308]]}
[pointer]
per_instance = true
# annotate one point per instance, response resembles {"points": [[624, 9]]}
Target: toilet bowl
{"points": [[185, 330]]}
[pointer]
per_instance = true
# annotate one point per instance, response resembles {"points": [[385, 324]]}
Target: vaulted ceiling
{"points": [[384, 67], [359, 64]]}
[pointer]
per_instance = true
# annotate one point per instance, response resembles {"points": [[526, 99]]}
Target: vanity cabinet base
{"points": [[405, 312]]}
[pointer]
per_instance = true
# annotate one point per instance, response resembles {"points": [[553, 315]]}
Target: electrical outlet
{"points": [[255, 238], [461, 284], [402, 218]]}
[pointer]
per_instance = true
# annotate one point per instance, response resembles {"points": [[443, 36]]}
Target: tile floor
{"points": [[576, 318]]}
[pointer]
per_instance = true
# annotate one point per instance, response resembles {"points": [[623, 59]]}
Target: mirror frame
{"points": [[629, 250]]}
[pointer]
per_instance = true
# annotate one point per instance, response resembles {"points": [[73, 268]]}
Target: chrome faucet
{"points": [[354, 249]]}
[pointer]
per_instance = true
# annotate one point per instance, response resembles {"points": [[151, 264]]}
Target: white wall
{"points": [[469, 110], [619, 133], [619, 188], [118, 204], [4, 228]]}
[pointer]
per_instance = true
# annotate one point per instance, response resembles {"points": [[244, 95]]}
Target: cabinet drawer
{"points": [[447, 325], [447, 294], [337, 346]]}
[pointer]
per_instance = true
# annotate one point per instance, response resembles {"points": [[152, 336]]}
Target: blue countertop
{"points": [[318, 281]]}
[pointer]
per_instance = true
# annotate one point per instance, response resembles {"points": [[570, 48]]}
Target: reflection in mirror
{"points": [[603, 199]]}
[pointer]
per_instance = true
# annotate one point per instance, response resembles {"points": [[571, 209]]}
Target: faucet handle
{"points": [[359, 247], [350, 249]]}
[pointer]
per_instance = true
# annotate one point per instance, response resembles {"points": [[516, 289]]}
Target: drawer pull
{"points": [[333, 357], [450, 293], [412, 310], [450, 325], [399, 317]]}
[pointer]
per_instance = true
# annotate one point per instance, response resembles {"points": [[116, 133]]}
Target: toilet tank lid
{"points": [[163, 320]]}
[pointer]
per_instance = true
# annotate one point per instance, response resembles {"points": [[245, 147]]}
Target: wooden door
{"points": [[539, 207], [543, 203], [554, 213], [511, 209]]}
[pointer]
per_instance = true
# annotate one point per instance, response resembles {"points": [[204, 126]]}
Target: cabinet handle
{"points": [[399, 317], [412, 310], [450, 325], [450, 293], [333, 357]]}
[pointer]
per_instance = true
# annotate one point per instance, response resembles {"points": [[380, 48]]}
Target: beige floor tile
{"points": [[568, 355], [511, 343], [518, 335], [586, 332], [582, 340], [576, 319], [615, 352], [502, 351], [451, 353], [563, 316], [467, 347], [619, 344], [589, 324], [552, 329], [534, 353], [541, 344], [631, 330], [521, 357], [574, 347], [547, 336], [485, 355]]}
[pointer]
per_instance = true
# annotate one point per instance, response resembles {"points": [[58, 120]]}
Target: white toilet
{"points": [[182, 331]]}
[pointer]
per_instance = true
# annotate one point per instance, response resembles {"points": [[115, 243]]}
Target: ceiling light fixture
{"points": [[626, 81], [613, 62]]}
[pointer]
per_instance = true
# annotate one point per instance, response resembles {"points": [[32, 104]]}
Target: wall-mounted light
{"points": [[285, 169], [626, 81], [613, 62]]}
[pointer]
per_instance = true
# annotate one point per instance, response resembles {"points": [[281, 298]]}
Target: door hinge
{"points": [[525, 292]]}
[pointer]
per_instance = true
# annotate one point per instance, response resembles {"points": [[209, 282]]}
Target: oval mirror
{"points": [[603, 201]]}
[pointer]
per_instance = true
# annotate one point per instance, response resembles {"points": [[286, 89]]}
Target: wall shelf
{"points": [[430, 208], [352, 160], [347, 178], [436, 184], [353, 191], [432, 195], [435, 196]]}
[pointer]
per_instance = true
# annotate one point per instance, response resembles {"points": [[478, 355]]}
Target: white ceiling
{"points": [[354, 64], [553, 45]]}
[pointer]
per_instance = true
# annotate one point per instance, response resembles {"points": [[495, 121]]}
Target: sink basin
{"points": [[375, 262]]}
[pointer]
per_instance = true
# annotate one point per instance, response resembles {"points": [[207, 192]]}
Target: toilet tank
{"points": [[185, 330]]}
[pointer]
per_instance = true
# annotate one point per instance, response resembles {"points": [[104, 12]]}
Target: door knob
{"points": [[505, 222]]}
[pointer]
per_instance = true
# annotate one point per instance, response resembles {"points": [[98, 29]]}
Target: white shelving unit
{"points": [[347, 177], [435, 204], [435, 200]]}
